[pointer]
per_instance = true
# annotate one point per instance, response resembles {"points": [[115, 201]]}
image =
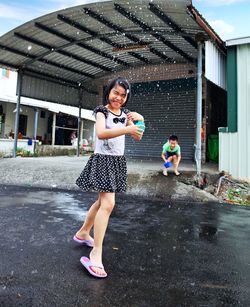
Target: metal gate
{"points": [[168, 108]]}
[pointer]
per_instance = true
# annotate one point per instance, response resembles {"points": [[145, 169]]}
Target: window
{"points": [[1, 124], [23, 124], [43, 114]]}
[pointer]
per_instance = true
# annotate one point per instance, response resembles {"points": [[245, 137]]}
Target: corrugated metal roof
{"points": [[81, 43]]}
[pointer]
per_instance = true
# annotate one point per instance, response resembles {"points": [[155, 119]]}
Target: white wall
{"points": [[8, 85], [7, 145], [8, 93], [215, 65]]}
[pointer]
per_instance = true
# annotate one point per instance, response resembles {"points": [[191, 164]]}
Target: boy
{"points": [[171, 153]]}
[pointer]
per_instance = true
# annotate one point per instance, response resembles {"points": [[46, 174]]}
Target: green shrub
{"points": [[22, 152]]}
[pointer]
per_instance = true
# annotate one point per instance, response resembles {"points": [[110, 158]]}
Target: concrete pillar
{"points": [[79, 132], [35, 127], [19, 92], [54, 129], [35, 123], [199, 111]]}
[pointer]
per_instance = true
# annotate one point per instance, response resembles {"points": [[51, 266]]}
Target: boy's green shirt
{"points": [[166, 147]]}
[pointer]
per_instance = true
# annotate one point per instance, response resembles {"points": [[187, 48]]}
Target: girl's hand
{"points": [[135, 131], [134, 116], [137, 138]]}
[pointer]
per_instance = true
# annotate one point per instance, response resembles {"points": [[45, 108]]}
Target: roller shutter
{"points": [[168, 108]]}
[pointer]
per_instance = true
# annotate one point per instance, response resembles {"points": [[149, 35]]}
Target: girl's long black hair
{"points": [[117, 81]]}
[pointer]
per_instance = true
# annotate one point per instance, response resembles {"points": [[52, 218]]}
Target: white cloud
{"points": [[221, 27], [219, 2]]}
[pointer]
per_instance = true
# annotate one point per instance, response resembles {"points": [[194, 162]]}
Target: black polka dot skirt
{"points": [[104, 173]]}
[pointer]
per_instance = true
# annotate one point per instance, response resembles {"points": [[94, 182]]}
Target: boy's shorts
{"points": [[170, 154]]}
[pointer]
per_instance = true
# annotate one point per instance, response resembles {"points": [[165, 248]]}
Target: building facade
{"points": [[55, 123], [234, 139]]}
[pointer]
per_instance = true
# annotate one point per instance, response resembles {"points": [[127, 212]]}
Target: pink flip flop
{"points": [[88, 243], [85, 261]]}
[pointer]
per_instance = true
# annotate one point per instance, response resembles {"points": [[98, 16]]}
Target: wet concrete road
{"points": [[156, 253]]}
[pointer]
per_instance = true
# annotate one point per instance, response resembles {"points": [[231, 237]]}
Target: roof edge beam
{"points": [[206, 27]]}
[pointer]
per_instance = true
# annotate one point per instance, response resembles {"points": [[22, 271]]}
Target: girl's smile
{"points": [[117, 97]]}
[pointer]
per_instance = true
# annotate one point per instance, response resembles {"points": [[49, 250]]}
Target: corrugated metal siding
{"points": [[168, 108], [49, 91], [235, 147], [243, 65], [53, 92], [215, 65], [89, 101], [228, 151]]}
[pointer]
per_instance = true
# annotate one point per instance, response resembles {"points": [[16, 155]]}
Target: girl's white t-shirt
{"points": [[114, 146]]}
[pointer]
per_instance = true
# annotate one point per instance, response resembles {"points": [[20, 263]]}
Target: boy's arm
{"points": [[178, 159], [178, 156], [163, 155]]}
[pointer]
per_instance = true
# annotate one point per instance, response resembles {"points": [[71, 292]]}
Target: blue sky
{"points": [[229, 18]]}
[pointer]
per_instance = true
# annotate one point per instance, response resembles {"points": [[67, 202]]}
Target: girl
{"points": [[106, 170]]}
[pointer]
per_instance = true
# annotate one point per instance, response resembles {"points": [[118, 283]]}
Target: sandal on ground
{"points": [[88, 243], [85, 261]]}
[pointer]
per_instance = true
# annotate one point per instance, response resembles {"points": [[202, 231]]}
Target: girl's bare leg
{"points": [[83, 232], [107, 203]]}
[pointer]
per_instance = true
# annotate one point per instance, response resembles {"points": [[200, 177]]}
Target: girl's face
{"points": [[117, 97]]}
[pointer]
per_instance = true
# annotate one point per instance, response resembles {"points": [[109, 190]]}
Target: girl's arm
{"points": [[103, 133]]}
